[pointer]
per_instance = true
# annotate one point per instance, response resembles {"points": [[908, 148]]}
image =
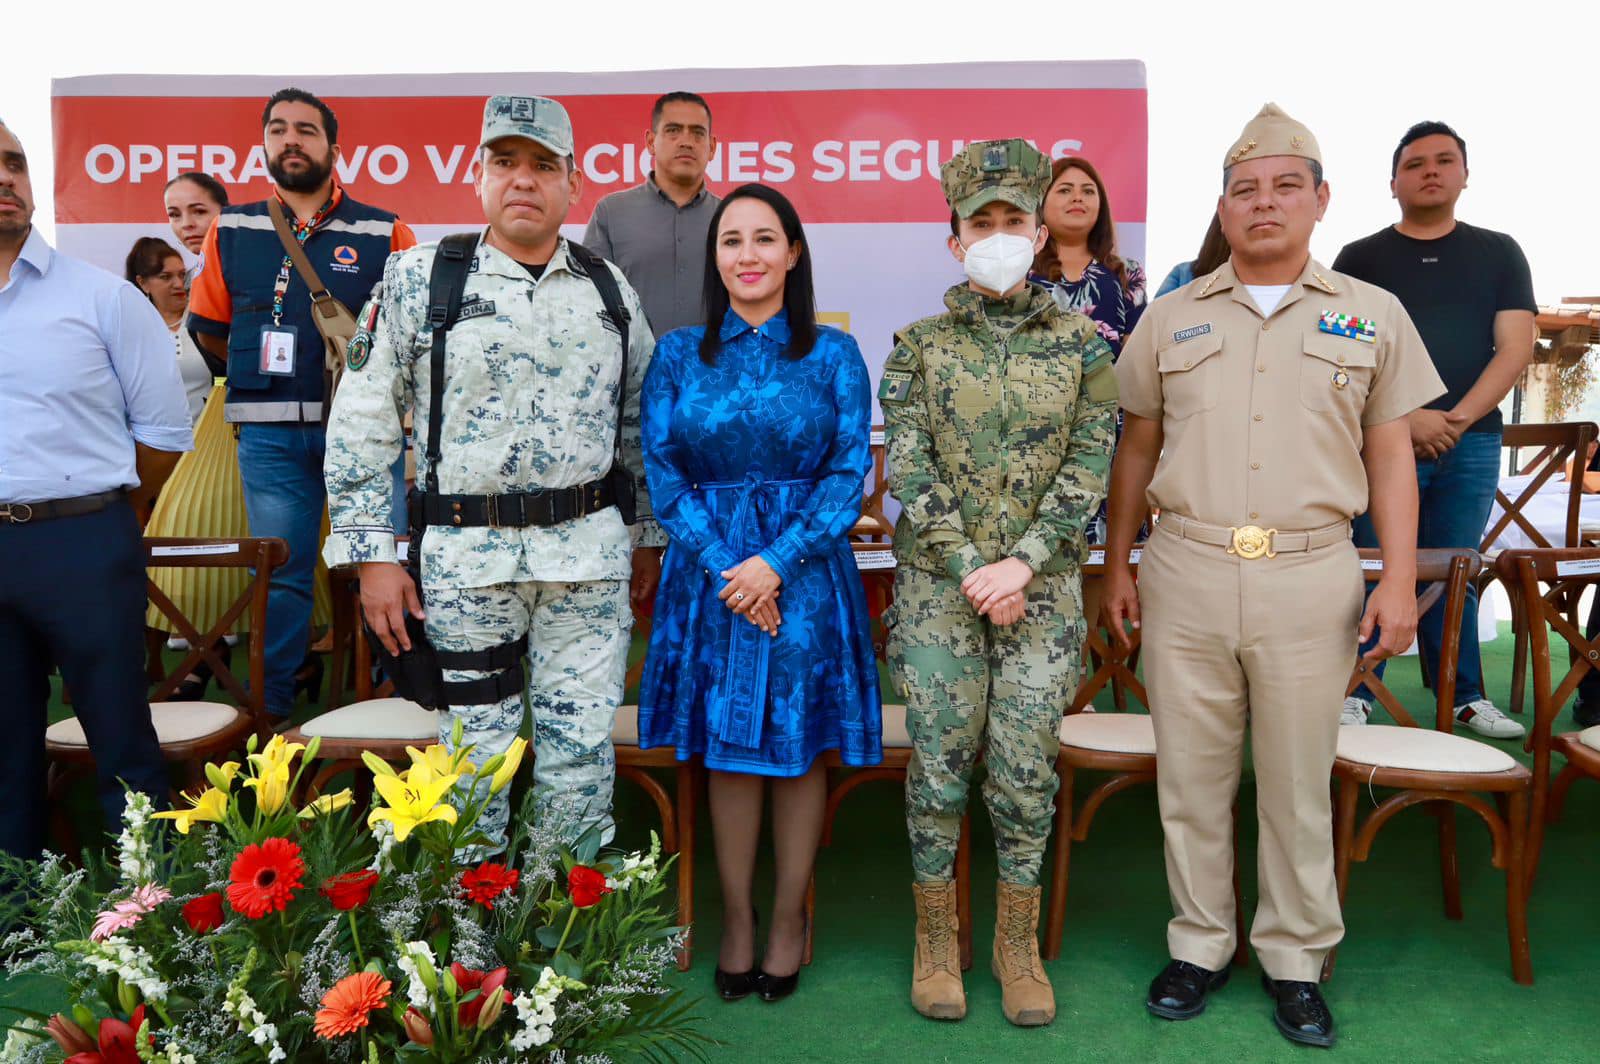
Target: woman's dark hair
{"points": [[146, 258], [1214, 249], [209, 184], [799, 297], [1102, 237]]}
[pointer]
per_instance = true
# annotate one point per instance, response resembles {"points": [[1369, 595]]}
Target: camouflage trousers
{"points": [[578, 637], [972, 687]]}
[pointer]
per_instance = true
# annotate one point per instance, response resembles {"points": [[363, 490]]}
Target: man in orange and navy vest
{"points": [[250, 309]]}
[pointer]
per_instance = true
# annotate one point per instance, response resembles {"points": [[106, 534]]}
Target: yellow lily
{"points": [[440, 761], [211, 806], [377, 765], [413, 800], [272, 787], [508, 768], [278, 752], [222, 776], [327, 804]]}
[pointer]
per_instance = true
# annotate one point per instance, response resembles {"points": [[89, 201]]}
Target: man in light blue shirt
{"points": [[92, 420]]}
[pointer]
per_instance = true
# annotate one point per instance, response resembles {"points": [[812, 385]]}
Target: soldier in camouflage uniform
{"points": [[999, 415], [530, 403]]}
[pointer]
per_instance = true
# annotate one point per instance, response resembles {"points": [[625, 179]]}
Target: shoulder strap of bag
{"points": [[321, 298], [445, 287], [610, 295]]}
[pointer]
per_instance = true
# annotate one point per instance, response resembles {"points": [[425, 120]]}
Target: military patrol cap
{"points": [[1271, 132], [538, 119], [1010, 170]]}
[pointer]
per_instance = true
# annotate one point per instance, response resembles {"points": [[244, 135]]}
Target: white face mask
{"points": [[998, 262]]}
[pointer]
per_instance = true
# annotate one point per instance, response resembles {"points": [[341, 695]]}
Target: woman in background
{"points": [[1079, 264], [1214, 251], [155, 268]]}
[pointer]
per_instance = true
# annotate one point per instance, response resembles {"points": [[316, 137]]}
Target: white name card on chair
{"points": [[1098, 557], [1582, 567], [875, 438], [1372, 565], [189, 550], [874, 559]]}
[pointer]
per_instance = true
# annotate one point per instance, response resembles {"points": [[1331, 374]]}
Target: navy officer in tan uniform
{"points": [[1266, 407]]}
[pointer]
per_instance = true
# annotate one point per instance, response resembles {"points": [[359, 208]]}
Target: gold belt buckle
{"points": [[1252, 542], [16, 513]]}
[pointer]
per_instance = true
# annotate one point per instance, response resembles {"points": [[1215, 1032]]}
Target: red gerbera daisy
{"points": [[487, 882], [265, 877]]}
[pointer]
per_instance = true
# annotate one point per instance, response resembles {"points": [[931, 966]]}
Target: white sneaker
{"points": [[1482, 717], [1356, 711]]}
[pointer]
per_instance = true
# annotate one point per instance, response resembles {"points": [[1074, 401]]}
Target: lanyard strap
{"points": [[302, 231]]}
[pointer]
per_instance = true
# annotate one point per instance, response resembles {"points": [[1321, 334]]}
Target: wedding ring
{"points": [[738, 596]]}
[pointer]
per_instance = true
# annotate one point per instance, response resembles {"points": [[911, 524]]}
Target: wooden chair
{"points": [[1573, 571], [1122, 744], [1555, 444], [190, 733], [873, 525], [677, 816], [1436, 769]]}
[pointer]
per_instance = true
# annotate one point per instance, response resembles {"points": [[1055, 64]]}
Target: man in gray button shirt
{"points": [[656, 232]]}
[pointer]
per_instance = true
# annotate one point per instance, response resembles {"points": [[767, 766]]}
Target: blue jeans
{"points": [[284, 496], [1457, 493], [281, 465]]}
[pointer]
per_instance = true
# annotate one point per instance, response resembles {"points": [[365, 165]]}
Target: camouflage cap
{"points": [[541, 120], [1010, 170], [1271, 132]]}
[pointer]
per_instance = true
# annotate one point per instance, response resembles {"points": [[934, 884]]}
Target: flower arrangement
{"points": [[244, 929]]}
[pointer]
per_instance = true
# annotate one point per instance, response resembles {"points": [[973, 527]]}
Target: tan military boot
{"points": [[936, 989], [1026, 996]]}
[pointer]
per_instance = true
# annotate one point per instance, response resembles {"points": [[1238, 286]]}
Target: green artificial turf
{"points": [[1411, 985]]}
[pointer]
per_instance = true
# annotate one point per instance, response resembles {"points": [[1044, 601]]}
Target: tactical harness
{"points": [[418, 673]]}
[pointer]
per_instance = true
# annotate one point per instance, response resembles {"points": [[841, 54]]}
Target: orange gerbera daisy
{"points": [[346, 1007], [265, 877]]}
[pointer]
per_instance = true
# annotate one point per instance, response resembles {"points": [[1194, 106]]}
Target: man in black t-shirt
{"points": [[1471, 296]]}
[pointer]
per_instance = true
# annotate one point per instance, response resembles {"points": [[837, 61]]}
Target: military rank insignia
{"points": [[1348, 326]]}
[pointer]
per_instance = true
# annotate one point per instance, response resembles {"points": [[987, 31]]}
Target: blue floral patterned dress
{"points": [[759, 454], [1100, 295]]}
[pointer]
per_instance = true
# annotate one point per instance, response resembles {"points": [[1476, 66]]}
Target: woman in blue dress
{"points": [[756, 444]]}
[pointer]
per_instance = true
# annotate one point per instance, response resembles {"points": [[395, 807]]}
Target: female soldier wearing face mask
{"points": [[1004, 390]]}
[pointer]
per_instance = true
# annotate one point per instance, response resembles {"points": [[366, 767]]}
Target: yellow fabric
{"points": [[205, 497]]}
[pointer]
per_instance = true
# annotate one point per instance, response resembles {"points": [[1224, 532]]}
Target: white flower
{"points": [[383, 831], [23, 1037], [129, 963], [416, 990], [133, 847]]}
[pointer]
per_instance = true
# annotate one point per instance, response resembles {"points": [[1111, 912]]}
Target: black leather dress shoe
{"points": [[735, 985], [1586, 712], [1179, 992], [1301, 1015]]}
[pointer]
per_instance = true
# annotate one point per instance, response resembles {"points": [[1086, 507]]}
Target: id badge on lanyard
{"points": [[277, 350]]}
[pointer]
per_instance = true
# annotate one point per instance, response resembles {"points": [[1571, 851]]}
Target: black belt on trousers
{"points": [[550, 506], [21, 513]]}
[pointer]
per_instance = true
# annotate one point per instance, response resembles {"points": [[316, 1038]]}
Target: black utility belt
{"points": [[543, 508], [21, 513]]}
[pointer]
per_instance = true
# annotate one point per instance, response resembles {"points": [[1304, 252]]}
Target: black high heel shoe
{"points": [[732, 986], [193, 688], [777, 987]]}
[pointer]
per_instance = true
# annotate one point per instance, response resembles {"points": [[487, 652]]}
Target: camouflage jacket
{"points": [[530, 401], [999, 438]]}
